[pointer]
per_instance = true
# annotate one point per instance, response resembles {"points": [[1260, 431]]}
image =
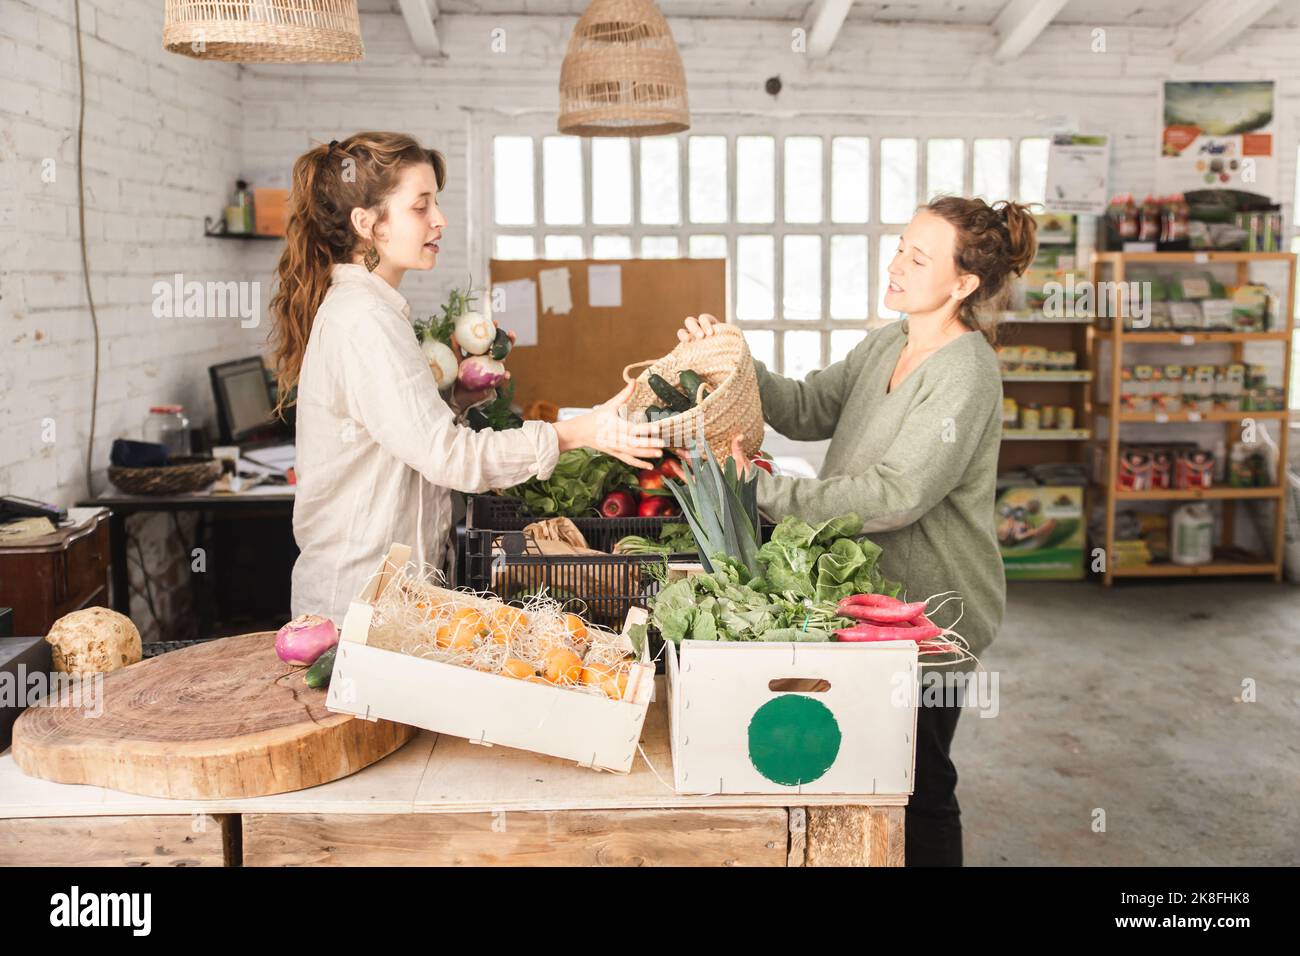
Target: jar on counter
{"points": [[167, 425]]}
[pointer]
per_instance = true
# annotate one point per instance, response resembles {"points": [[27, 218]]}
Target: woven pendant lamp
{"points": [[622, 74], [264, 31]]}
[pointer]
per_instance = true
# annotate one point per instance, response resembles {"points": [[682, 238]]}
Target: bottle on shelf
{"points": [[239, 214]]}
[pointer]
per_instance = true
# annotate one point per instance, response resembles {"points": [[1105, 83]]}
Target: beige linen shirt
{"points": [[378, 448]]}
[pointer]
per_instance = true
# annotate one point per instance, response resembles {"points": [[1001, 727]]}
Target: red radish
{"points": [[481, 371], [898, 614], [618, 504], [760, 462], [870, 600], [305, 638], [874, 632]]}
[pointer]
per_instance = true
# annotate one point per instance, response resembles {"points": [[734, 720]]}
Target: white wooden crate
{"points": [[372, 682], [735, 728]]}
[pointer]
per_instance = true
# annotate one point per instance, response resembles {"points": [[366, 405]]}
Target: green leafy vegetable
{"points": [[575, 489], [674, 538], [802, 574], [498, 414]]}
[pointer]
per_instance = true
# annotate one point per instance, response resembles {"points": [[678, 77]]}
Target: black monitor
{"points": [[242, 397]]}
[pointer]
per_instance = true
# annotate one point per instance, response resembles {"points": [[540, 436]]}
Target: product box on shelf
{"points": [[1250, 307], [1040, 532], [1193, 468], [371, 681], [1216, 315]]}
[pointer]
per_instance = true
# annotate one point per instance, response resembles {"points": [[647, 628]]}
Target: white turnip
{"points": [[442, 362], [475, 332]]}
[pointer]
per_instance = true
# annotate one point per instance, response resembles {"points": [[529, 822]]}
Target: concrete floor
{"points": [[1122, 699]]}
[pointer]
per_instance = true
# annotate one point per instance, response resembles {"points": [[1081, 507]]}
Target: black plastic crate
{"points": [[600, 587], [495, 513]]}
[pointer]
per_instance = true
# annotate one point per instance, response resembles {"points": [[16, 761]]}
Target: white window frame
{"points": [[483, 227]]}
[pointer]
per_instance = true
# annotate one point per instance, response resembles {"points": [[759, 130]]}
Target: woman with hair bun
{"points": [[378, 447], [914, 418]]}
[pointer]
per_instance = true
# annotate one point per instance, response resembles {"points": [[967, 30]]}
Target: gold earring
{"points": [[371, 258]]}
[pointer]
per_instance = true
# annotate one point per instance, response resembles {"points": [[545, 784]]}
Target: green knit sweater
{"points": [[918, 464]]}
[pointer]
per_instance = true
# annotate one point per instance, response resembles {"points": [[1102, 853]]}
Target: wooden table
{"points": [[443, 801]]}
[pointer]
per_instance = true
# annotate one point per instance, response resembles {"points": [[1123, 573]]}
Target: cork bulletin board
{"points": [[579, 357]]}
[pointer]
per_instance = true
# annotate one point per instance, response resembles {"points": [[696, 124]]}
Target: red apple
{"points": [[618, 504], [649, 480], [672, 468], [652, 507]]}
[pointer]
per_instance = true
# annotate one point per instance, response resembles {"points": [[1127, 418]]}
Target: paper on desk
{"points": [[514, 307], [555, 290], [605, 286], [274, 456]]}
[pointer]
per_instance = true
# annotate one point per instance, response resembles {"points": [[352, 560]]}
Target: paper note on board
{"points": [[514, 307], [605, 286], [555, 290]]}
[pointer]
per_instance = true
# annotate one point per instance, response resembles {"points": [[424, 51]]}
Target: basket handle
{"points": [[627, 377], [725, 327]]}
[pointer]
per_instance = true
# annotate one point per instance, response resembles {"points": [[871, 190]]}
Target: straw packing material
{"points": [[538, 642]]}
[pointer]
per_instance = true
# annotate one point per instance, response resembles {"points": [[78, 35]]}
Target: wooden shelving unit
{"points": [[1022, 447], [1117, 263]]}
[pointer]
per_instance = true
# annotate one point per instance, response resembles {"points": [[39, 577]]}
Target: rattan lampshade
{"points": [[264, 31], [622, 74]]}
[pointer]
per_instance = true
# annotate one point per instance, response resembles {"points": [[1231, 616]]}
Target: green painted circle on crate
{"points": [[793, 739]]}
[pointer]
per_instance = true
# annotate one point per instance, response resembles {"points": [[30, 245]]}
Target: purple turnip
{"points": [[305, 638], [479, 372]]}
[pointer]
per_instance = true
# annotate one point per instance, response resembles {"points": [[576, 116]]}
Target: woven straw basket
{"points": [[264, 31], [184, 474], [732, 407]]}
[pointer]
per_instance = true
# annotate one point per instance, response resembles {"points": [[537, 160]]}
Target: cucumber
{"points": [[318, 675], [690, 383], [477, 419], [673, 400], [501, 346], [653, 413]]}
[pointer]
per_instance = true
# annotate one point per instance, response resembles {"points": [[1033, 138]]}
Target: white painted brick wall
{"points": [[166, 137], [162, 150]]}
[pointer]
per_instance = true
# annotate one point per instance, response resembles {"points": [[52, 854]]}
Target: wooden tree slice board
{"points": [[226, 718]]}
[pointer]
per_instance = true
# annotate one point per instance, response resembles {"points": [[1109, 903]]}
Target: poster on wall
{"points": [[1218, 136], [1077, 167]]}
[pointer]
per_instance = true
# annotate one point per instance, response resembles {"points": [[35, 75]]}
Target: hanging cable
{"points": [[81, 229]]}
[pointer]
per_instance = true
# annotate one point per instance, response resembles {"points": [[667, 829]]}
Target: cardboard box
{"points": [[1041, 532], [270, 211], [371, 682], [752, 717]]}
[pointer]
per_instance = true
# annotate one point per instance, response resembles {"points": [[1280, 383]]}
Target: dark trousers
{"points": [[933, 823]]}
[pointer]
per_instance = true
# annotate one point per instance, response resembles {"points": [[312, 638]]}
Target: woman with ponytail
{"points": [[378, 448], [914, 418]]}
